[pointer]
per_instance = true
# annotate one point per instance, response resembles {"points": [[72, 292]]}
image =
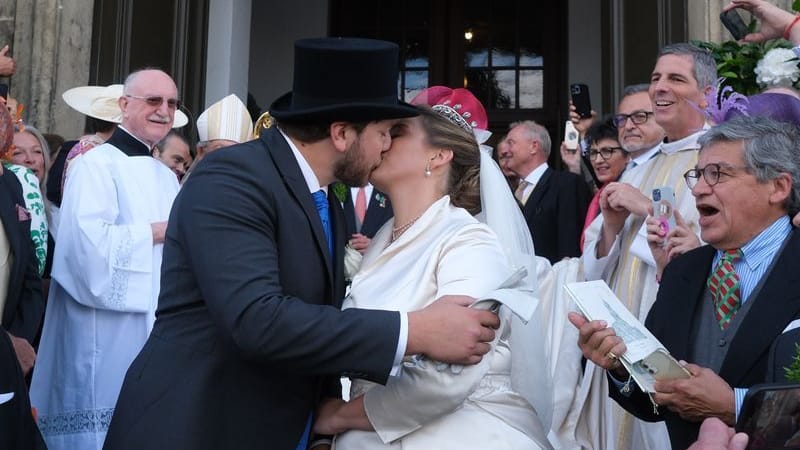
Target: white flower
{"points": [[352, 262], [778, 68]]}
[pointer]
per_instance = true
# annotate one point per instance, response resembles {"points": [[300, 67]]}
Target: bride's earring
{"points": [[428, 169]]}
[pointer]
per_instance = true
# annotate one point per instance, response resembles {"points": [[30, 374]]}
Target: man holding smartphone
{"points": [[721, 306]]}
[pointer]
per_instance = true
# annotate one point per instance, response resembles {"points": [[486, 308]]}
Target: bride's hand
{"points": [[328, 421]]}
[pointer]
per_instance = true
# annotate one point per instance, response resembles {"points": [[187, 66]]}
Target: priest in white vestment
{"points": [[106, 269], [623, 259]]}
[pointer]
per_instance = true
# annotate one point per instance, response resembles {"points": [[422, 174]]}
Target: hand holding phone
{"points": [[734, 24], [663, 208], [571, 136], [580, 98]]}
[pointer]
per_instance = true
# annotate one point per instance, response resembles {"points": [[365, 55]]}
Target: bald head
{"points": [[148, 104]]}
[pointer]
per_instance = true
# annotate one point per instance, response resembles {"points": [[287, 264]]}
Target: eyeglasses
{"points": [[604, 152], [711, 173], [156, 101], [637, 117]]}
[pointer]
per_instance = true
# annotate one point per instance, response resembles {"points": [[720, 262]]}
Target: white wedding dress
{"points": [[446, 251]]}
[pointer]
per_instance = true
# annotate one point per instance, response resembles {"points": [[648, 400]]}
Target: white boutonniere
{"points": [[352, 262]]}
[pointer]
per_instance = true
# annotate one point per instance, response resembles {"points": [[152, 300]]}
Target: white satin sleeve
{"points": [[101, 263], [595, 268], [471, 263]]}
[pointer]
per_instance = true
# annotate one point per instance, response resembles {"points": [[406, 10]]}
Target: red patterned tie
{"points": [[723, 284]]}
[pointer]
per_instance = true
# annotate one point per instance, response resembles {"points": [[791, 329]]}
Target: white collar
{"points": [[536, 174], [308, 173], [150, 147], [646, 156], [687, 143]]}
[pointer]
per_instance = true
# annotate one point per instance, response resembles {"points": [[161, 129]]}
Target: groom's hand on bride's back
{"points": [[448, 330]]}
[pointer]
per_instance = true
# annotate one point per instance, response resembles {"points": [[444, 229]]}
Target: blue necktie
{"points": [[321, 202]]}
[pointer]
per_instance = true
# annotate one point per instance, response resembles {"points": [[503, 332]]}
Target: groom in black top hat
{"points": [[248, 324]]}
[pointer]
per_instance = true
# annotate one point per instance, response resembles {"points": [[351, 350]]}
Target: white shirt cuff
{"points": [[738, 396], [402, 341]]}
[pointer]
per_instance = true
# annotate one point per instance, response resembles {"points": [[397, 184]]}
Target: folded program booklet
{"points": [[646, 358]]}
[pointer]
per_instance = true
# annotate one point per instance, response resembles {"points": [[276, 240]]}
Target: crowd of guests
{"points": [[138, 287]]}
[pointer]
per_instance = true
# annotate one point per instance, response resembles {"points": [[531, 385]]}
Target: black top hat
{"points": [[347, 79]]}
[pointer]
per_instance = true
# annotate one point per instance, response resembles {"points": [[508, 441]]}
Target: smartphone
{"points": [[734, 23], [663, 208], [571, 136], [580, 98], [770, 416]]}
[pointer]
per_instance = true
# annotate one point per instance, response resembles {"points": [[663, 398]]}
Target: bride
{"points": [[437, 178]]}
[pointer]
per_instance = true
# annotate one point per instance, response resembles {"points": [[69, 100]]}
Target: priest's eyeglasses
{"points": [[637, 117], [156, 101], [604, 152], [711, 173]]}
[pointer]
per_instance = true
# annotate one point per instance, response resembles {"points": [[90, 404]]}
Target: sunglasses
{"points": [[156, 101]]}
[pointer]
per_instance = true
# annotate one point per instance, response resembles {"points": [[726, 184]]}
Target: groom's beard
{"points": [[353, 169]]}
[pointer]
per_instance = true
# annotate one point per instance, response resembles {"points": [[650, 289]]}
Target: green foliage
{"points": [[796, 5], [340, 191], [793, 371], [737, 61]]}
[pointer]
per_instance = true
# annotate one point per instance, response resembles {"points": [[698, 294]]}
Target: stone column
{"points": [[703, 17], [52, 46]]}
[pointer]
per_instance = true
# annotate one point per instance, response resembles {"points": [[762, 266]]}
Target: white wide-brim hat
{"points": [[102, 102]]}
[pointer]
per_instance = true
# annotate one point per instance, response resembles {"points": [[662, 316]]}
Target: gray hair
{"points": [[704, 67], [537, 133], [770, 149], [634, 89]]}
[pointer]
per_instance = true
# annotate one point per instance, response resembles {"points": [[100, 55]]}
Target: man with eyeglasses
{"points": [[620, 254], [106, 268], [721, 306]]}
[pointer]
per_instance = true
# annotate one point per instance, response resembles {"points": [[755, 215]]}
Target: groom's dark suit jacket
{"points": [[248, 322], [746, 361]]}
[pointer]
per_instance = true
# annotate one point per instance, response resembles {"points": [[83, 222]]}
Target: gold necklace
{"points": [[397, 231]]}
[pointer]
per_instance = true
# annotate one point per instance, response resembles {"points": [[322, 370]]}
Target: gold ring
{"points": [[611, 356]]}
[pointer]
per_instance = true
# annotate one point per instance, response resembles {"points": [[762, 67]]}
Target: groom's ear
{"points": [[340, 134]]}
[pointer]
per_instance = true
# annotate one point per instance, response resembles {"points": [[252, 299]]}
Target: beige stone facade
{"points": [[51, 42]]}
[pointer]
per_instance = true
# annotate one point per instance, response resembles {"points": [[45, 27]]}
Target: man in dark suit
{"points": [[721, 306], [554, 203], [366, 209], [248, 333], [23, 306]]}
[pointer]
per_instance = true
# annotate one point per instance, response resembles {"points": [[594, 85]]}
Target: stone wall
{"points": [[51, 42]]}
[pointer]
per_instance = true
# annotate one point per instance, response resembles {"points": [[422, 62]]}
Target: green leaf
{"points": [[796, 5], [729, 75]]}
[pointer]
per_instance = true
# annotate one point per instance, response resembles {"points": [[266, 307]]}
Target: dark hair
{"points": [[634, 89], [313, 132], [463, 184], [94, 125], [163, 142], [602, 129]]}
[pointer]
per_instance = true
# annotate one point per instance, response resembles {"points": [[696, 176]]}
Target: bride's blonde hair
{"points": [[463, 184]]}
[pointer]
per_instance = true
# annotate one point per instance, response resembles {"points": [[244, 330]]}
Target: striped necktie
{"points": [[723, 284]]}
